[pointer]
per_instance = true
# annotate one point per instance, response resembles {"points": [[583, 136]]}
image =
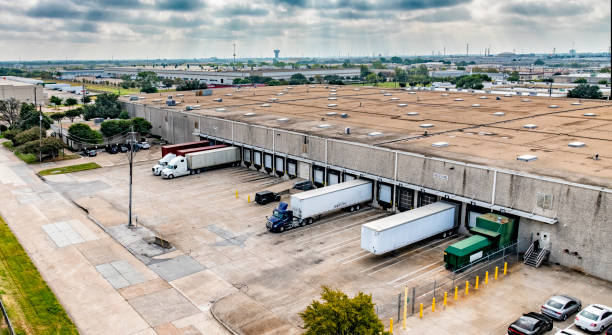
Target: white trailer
{"points": [[399, 230], [313, 203], [198, 161]]}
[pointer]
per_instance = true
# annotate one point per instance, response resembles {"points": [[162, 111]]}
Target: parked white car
{"points": [[594, 318], [144, 145]]}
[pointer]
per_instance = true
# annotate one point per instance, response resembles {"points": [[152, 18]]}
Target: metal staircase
{"points": [[535, 257]]}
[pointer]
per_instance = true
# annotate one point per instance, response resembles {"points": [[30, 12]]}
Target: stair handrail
{"points": [[529, 251], [541, 256]]}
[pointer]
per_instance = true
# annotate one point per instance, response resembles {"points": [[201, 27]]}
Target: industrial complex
{"points": [[544, 163]]}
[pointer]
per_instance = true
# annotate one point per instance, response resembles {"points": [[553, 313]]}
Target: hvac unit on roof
{"points": [[412, 113], [527, 158], [426, 125], [440, 144], [576, 144], [530, 126]]}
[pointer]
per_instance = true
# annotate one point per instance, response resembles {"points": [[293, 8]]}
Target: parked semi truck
{"points": [[310, 205], [196, 162], [491, 233], [399, 230], [169, 152]]}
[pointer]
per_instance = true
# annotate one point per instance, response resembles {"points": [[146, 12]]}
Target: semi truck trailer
{"points": [[400, 230], [169, 152], [310, 205], [196, 162]]}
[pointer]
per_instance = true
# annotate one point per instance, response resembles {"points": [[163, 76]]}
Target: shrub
{"points": [[81, 132], [28, 135], [10, 134], [124, 115]]}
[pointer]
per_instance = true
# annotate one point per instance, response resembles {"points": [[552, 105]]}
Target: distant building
{"points": [[572, 52], [448, 73], [22, 89], [591, 78]]}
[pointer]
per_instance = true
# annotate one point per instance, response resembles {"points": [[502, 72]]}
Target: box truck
{"points": [[399, 230], [169, 152], [198, 161], [309, 205]]}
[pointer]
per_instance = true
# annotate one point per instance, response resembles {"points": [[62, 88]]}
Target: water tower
{"points": [[276, 52]]}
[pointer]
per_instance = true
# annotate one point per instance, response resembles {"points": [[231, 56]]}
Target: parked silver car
{"points": [[560, 307]]}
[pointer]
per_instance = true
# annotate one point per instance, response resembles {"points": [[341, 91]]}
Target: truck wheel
{"points": [[309, 221], [357, 207], [281, 229], [301, 223]]}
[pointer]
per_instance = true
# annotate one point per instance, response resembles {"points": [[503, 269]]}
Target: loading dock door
{"points": [[304, 170], [268, 162], [280, 165], [405, 199], [291, 168], [333, 177], [385, 192], [257, 159], [426, 199], [246, 157], [348, 176], [318, 177]]}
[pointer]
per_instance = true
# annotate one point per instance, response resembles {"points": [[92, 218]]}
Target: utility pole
{"points": [[234, 56], [39, 127], [133, 146]]}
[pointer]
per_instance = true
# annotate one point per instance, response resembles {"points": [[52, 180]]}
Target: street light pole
{"points": [[39, 127], [132, 147]]}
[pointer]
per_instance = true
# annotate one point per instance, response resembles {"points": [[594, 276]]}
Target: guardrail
{"points": [[9, 325]]}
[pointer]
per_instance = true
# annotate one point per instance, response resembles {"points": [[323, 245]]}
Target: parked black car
{"points": [[90, 152], [531, 324], [265, 197], [123, 148], [112, 149], [304, 185]]}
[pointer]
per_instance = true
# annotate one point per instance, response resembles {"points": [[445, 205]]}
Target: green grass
{"points": [[32, 306], [69, 169], [33, 159]]}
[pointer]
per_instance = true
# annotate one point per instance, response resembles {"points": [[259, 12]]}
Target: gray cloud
{"points": [[53, 9], [179, 5], [445, 15], [242, 10], [548, 8]]}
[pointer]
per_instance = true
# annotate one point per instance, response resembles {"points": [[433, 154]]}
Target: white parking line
{"points": [[340, 244], [413, 272], [353, 255], [358, 258], [432, 271]]}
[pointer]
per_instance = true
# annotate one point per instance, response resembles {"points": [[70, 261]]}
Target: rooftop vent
{"points": [[508, 95], [280, 93], [331, 113], [499, 114], [527, 158], [344, 115], [576, 144], [394, 98], [347, 130], [375, 133], [249, 114], [589, 114], [283, 119], [387, 94], [333, 94], [181, 95], [312, 86], [458, 99], [332, 105], [412, 113], [411, 92], [576, 103], [530, 126], [228, 94], [156, 100], [324, 125], [265, 105], [505, 137], [383, 91], [483, 97], [332, 98], [526, 100], [273, 99], [221, 110], [426, 125], [475, 105], [217, 100], [289, 87], [355, 89], [402, 105], [553, 106], [440, 144], [444, 94]]}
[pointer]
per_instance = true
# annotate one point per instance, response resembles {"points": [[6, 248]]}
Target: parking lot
{"points": [[225, 237]]}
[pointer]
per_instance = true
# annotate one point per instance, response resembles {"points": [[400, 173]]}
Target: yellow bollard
{"points": [[476, 286], [467, 287], [405, 307], [249, 199], [445, 293], [391, 325], [456, 291], [486, 277], [505, 268], [433, 304], [496, 270], [236, 194], [421, 311]]}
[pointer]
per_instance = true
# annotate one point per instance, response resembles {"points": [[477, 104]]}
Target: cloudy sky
{"points": [[128, 29]]}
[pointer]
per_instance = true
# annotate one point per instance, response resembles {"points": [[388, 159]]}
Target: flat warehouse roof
{"points": [[467, 127]]}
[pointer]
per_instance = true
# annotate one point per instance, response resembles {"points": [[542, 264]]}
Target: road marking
{"points": [[434, 270], [341, 244], [358, 258], [411, 273]]}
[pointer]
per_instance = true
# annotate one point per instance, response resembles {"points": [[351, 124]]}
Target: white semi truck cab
{"points": [[176, 167], [162, 163]]}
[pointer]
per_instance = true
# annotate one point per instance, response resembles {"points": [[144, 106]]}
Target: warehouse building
{"points": [[542, 161], [227, 77], [22, 89]]}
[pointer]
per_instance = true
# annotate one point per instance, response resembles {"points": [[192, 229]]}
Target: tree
{"points": [[318, 79], [71, 102], [168, 82], [371, 78], [106, 106], [74, 113], [9, 111], [585, 91], [298, 79], [189, 85], [538, 62], [141, 125], [364, 71], [57, 117], [339, 314], [514, 76], [29, 117], [580, 81], [55, 100], [29, 135], [377, 65], [400, 75], [396, 60], [124, 115], [473, 81], [86, 99], [603, 82], [81, 132], [115, 127], [147, 81]]}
